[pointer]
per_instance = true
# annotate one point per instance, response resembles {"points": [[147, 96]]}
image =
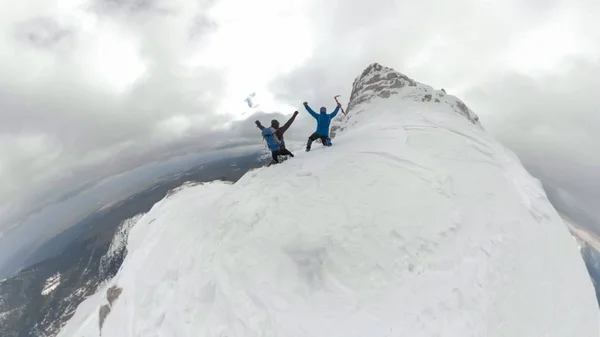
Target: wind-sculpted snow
{"points": [[414, 223]]}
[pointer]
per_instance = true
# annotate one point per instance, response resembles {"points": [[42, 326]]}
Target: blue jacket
{"points": [[323, 119]]}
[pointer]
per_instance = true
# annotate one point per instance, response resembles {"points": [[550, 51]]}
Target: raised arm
{"points": [[335, 111], [288, 123], [310, 111]]}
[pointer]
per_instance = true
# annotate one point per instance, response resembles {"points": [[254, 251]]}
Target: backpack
{"points": [[271, 138]]}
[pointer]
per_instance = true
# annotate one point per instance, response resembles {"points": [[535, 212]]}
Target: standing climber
{"points": [[274, 137], [323, 122]]}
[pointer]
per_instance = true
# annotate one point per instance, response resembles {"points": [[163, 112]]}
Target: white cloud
{"points": [[113, 58], [545, 47], [255, 42]]}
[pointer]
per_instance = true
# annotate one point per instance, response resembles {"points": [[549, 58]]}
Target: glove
{"points": [[340, 105], [257, 123], [304, 103], [295, 112]]}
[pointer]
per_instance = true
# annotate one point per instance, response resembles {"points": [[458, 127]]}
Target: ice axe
{"points": [[336, 100]]}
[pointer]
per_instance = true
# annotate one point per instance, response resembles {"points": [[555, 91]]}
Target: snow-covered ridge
{"points": [[414, 223]]}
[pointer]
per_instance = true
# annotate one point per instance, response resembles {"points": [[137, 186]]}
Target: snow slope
{"points": [[415, 223]]}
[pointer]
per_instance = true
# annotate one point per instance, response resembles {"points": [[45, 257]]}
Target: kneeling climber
{"points": [[323, 122], [274, 137]]}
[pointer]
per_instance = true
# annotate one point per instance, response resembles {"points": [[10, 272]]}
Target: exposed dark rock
{"points": [[103, 313], [384, 94], [373, 82], [112, 294]]}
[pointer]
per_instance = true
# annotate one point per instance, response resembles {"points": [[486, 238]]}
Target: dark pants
{"points": [[314, 137], [280, 152]]}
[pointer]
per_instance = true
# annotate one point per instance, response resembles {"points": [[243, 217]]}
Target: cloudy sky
{"points": [[89, 88]]}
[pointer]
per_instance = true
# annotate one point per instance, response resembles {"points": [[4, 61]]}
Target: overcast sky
{"points": [[89, 88]]}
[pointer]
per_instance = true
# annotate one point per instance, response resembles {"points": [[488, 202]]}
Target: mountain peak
{"points": [[380, 82], [414, 222]]}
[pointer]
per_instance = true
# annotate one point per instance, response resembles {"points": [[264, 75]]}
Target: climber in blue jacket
{"points": [[323, 122]]}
